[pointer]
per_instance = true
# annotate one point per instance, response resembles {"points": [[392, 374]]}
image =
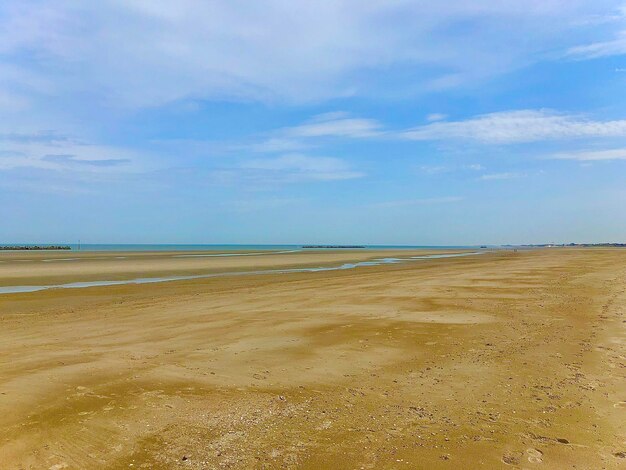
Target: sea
{"points": [[217, 247]]}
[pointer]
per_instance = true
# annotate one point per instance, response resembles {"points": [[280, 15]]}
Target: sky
{"points": [[293, 121]]}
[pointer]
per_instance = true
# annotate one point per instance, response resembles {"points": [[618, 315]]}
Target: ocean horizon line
{"points": [[227, 246]]}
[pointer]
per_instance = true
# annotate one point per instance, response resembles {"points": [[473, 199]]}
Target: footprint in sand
{"points": [[511, 459], [534, 455], [58, 466]]}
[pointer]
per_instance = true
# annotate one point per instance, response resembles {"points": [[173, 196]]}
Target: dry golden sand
{"points": [[512, 360]]}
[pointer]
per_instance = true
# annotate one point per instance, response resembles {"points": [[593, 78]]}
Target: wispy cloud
{"points": [[438, 169], [297, 167], [151, 53], [276, 144], [54, 151], [519, 126], [435, 169], [501, 176], [615, 46], [318, 129], [592, 155], [436, 117], [595, 50], [418, 202], [335, 124], [254, 205], [72, 160], [48, 137]]}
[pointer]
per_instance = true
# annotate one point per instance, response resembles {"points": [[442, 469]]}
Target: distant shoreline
{"points": [[240, 247], [225, 248], [34, 247], [565, 245], [334, 246]]}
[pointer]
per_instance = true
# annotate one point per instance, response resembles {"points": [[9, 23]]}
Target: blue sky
{"points": [[379, 122]]}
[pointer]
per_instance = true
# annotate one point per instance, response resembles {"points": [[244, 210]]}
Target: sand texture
{"points": [[503, 360]]}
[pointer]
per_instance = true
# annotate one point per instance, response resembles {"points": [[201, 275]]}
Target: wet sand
{"points": [[504, 360], [32, 268]]}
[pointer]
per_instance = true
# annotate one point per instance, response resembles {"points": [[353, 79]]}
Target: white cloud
{"points": [[309, 133], [593, 155], [594, 50], [511, 127], [501, 176], [51, 151], [436, 117], [615, 46], [276, 144], [435, 169], [12, 102], [335, 125], [419, 202], [255, 205], [296, 167], [147, 53]]}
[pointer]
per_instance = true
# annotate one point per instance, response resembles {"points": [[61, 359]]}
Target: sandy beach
{"points": [[503, 360]]}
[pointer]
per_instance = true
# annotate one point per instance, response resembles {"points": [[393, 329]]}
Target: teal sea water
{"points": [[233, 247]]}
